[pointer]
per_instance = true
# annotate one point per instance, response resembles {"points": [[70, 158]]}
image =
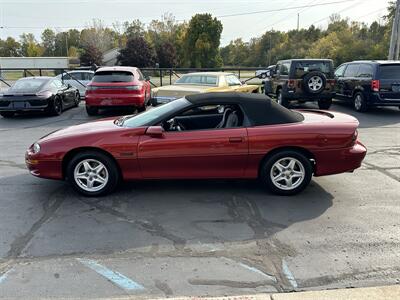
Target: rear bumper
{"points": [[292, 95], [376, 99], [25, 105], [136, 100], [330, 162]]}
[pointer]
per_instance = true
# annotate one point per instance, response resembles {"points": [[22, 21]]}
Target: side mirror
{"points": [[155, 132], [69, 86]]}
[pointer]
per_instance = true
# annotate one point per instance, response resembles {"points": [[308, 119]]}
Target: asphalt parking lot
{"points": [[193, 238]]}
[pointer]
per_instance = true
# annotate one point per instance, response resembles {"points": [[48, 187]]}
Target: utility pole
{"points": [[394, 48], [298, 21]]}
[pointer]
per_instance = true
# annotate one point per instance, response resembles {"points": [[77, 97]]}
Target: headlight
{"points": [[36, 148]]}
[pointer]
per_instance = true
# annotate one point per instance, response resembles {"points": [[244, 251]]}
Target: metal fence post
{"points": [[170, 76], [160, 77]]}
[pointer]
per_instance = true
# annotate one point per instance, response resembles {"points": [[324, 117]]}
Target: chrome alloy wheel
{"points": [[91, 175], [358, 102], [287, 173], [315, 83]]}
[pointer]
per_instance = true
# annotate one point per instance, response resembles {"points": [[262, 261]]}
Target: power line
{"points": [[347, 8]]}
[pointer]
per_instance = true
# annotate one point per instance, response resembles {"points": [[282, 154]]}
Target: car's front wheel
{"points": [[77, 99], [286, 172], [56, 108], [93, 173], [324, 103]]}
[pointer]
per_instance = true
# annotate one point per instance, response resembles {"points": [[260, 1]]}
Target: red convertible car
{"points": [[213, 135]]}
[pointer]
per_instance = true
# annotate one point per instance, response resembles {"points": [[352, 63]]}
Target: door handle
{"points": [[235, 139]]}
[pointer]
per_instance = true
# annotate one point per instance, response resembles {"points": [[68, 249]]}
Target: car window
{"points": [[284, 68], [232, 80], [365, 71], [351, 70], [340, 71], [76, 75], [113, 76], [389, 71], [304, 67], [57, 83], [198, 80], [29, 85], [65, 76]]}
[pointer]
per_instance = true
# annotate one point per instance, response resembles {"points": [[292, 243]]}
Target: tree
{"points": [[166, 55], [202, 41], [91, 55], [10, 47], [49, 42], [137, 53], [29, 45]]}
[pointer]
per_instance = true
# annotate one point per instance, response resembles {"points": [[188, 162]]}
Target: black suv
{"points": [[302, 80], [369, 83]]}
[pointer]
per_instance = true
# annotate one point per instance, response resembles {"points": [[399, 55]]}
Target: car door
{"points": [[350, 80], [340, 80], [64, 92], [206, 153]]}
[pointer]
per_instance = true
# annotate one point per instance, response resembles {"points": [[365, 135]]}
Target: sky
{"points": [[240, 18]]}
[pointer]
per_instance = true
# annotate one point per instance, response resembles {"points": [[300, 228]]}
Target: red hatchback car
{"points": [[214, 135], [124, 87]]}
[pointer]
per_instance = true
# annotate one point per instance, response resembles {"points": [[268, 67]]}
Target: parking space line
{"points": [[252, 269], [289, 274], [115, 277], [4, 276]]}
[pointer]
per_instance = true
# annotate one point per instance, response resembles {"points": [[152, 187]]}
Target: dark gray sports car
{"points": [[46, 94]]}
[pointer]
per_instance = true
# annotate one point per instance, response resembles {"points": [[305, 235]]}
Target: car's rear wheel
{"points": [[57, 107], [77, 99], [286, 172], [324, 103], [92, 111], [282, 100], [7, 114], [93, 173], [359, 102]]}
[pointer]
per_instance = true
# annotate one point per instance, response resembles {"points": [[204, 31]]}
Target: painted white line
{"points": [[255, 270], [289, 274], [115, 277], [4, 276]]}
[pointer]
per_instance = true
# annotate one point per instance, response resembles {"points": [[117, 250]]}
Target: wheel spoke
{"points": [[291, 164], [297, 174], [278, 177], [99, 179], [90, 183], [87, 166], [289, 182], [81, 176], [98, 169]]}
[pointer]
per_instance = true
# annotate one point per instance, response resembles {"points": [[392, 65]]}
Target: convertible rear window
{"points": [[198, 80], [304, 67], [29, 85], [113, 76]]}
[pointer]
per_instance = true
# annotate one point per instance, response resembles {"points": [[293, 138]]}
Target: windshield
{"points": [[29, 85], [198, 80], [389, 71], [113, 76], [154, 114]]}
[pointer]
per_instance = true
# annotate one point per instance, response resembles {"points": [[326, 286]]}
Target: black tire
{"points": [[92, 111], [141, 109], [56, 108], [281, 99], [324, 103], [7, 114], [77, 99], [268, 169], [359, 102], [316, 77], [109, 164]]}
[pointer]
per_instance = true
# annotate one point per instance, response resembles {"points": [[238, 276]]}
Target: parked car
{"points": [[265, 73], [369, 83], [38, 94], [211, 135], [204, 82], [303, 80], [124, 87], [78, 79]]}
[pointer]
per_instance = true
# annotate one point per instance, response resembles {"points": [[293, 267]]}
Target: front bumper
{"points": [[336, 161], [44, 168]]}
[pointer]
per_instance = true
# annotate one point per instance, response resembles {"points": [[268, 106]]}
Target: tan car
{"points": [[202, 82]]}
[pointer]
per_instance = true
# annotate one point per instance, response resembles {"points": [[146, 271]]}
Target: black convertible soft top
{"points": [[260, 109]]}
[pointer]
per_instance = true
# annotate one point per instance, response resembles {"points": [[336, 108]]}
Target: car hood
{"points": [[86, 129]]}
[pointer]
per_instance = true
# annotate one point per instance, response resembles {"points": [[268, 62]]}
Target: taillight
{"points": [[291, 83], [331, 81], [375, 85]]}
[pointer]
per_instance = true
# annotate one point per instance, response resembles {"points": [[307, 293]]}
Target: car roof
{"points": [[36, 77], [380, 62], [307, 59], [260, 109], [79, 71], [117, 68]]}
